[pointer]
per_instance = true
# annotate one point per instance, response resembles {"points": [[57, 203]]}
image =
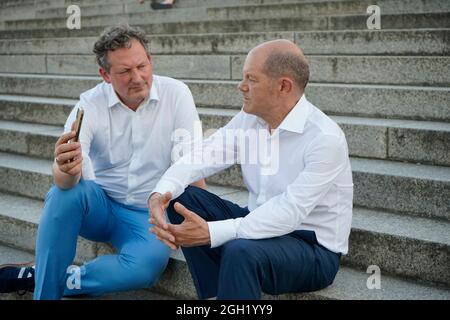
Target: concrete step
{"points": [[36, 140], [404, 102], [349, 284], [55, 86], [431, 71], [379, 184], [98, 16], [19, 218], [13, 255], [30, 177], [308, 23], [240, 8], [398, 70], [36, 10], [418, 241], [396, 243], [374, 101], [23, 12], [221, 3], [27, 9], [52, 111], [362, 42], [94, 14], [295, 9], [402, 187], [16, 3], [42, 4], [402, 140]]}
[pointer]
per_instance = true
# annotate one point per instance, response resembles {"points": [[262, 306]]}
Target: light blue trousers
{"points": [[86, 210]]}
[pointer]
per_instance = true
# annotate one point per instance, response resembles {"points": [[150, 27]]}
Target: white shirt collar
{"points": [[296, 118]]}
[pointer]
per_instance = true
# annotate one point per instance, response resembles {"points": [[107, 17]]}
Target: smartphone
{"points": [[78, 122]]}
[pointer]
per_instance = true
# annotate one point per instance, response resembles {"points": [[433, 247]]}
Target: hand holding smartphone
{"points": [[77, 128], [67, 152], [78, 122], [68, 155]]}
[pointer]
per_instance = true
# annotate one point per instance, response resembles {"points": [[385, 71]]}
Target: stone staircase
{"points": [[388, 89]]}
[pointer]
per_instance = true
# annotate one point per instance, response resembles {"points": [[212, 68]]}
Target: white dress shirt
{"points": [[127, 152], [305, 183]]}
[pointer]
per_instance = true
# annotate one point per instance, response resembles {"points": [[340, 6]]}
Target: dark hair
{"points": [[290, 64], [116, 37]]}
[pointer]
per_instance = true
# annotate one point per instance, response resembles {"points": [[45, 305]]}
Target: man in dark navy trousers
{"points": [[297, 223]]}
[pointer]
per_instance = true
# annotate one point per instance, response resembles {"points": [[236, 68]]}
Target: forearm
{"points": [[204, 161], [64, 180]]}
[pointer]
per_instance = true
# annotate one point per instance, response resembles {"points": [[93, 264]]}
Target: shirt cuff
{"points": [[164, 186], [223, 231]]}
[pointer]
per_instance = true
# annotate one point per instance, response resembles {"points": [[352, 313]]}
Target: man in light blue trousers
{"points": [[103, 181], [88, 211]]}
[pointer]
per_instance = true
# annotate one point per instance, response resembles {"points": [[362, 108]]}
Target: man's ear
{"points": [[286, 85], [105, 75]]}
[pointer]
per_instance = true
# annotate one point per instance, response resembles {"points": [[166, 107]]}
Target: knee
{"points": [[145, 270], [329, 269], [239, 253], [188, 198], [60, 202], [174, 217], [56, 193]]}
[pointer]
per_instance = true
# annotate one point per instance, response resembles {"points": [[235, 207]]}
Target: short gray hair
{"points": [[280, 64], [116, 37]]}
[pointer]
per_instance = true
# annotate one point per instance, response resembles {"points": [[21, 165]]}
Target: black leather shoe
{"points": [[17, 278], [157, 6]]}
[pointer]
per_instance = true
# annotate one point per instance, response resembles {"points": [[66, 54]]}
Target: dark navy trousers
{"points": [[244, 268]]}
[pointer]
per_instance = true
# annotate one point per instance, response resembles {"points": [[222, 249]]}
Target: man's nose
{"points": [[242, 86], [135, 75]]}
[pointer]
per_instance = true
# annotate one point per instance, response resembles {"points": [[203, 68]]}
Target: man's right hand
{"points": [[157, 205], [68, 156]]}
